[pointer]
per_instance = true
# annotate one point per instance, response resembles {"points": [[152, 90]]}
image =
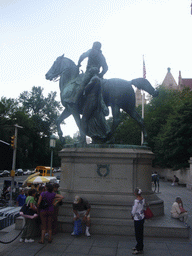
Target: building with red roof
{"points": [[184, 82], [169, 81]]}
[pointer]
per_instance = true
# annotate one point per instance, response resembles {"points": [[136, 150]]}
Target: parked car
{"points": [[27, 172], [18, 172], [5, 173], [33, 171], [55, 170]]}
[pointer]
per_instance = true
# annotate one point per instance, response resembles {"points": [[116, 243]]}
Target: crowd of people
{"points": [[43, 221], [46, 222]]}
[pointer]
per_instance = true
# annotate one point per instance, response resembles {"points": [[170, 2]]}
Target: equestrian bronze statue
{"points": [[88, 103]]}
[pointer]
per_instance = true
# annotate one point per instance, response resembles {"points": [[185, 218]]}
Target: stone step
{"points": [[101, 211], [155, 227], [163, 226], [114, 210]]}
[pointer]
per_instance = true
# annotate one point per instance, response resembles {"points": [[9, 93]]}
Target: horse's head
{"points": [[56, 69]]}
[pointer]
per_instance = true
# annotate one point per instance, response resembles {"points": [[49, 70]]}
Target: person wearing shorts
{"points": [[81, 210]]}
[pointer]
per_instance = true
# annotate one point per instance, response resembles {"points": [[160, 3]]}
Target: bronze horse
{"points": [[117, 93]]}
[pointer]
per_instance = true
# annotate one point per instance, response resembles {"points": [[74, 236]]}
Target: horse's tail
{"points": [[143, 84]]}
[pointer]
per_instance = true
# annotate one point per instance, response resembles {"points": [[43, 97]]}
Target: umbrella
{"points": [[30, 177], [41, 179]]}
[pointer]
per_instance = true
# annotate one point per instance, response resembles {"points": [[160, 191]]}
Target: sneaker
{"points": [[72, 234], [137, 252], [134, 249], [87, 233], [21, 240], [31, 240]]}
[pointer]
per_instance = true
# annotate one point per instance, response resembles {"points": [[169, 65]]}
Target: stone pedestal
{"points": [[107, 177]]}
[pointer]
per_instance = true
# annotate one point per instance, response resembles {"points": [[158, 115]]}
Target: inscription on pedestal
{"points": [[102, 177]]}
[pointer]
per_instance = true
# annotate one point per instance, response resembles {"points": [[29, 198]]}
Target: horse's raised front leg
{"points": [[59, 120], [140, 121]]}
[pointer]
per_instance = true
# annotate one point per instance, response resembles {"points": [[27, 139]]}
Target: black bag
{"points": [[27, 210], [60, 203], [44, 204]]}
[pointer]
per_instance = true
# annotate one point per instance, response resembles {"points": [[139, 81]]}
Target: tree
{"points": [[158, 111], [43, 110], [128, 131], [7, 107], [42, 113], [169, 128], [173, 146], [37, 114]]}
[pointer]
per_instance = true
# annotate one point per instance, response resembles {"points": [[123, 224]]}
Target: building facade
{"points": [[170, 83]]}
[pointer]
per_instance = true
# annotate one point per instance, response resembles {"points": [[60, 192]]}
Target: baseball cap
{"points": [[77, 199]]}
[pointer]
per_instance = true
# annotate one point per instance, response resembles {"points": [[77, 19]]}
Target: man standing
{"points": [[156, 181], [81, 209], [21, 199]]}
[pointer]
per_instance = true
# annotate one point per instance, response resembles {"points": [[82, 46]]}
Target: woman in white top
{"points": [[138, 216], [178, 212]]}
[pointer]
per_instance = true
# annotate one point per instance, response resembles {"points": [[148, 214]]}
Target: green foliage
{"points": [[168, 120], [37, 114], [7, 107], [69, 140], [157, 113], [173, 146], [43, 110], [128, 131]]}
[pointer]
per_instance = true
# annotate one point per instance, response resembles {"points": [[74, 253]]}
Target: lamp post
{"points": [[52, 146]]}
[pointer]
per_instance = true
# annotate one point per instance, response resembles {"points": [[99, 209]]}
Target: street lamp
{"points": [[52, 146]]}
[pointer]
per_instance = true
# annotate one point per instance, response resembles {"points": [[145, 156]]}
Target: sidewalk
{"points": [[65, 245]]}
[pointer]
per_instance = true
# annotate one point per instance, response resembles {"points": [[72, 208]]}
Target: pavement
{"points": [[65, 245]]}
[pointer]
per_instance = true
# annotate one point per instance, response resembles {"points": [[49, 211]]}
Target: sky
{"points": [[33, 33]]}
